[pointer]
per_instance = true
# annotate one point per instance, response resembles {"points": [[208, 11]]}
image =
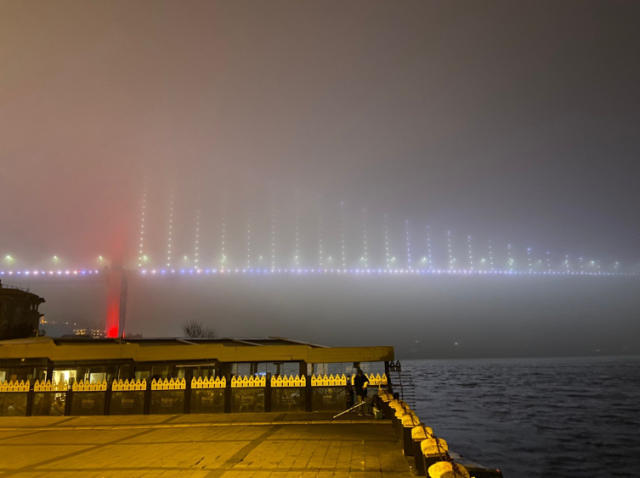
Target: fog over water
{"points": [[423, 318], [331, 134]]}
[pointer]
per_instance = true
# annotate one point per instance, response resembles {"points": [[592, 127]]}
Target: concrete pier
{"points": [[261, 445]]}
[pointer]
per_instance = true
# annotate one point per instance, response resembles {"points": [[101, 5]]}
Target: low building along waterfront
{"points": [[19, 315]]}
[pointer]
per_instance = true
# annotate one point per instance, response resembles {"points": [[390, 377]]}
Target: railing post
{"points": [[30, 394], [187, 398], [267, 393], [147, 399], [308, 394], [107, 399], [227, 395], [67, 402]]}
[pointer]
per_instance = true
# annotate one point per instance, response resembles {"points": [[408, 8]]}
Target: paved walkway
{"points": [[308, 445]]}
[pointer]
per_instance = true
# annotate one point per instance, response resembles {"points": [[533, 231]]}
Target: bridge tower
{"points": [[117, 288]]}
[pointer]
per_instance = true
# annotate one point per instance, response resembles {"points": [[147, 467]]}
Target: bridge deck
{"points": [[261, 445]]}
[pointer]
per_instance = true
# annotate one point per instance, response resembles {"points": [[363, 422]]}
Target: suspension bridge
{"points": [[262, 243]]}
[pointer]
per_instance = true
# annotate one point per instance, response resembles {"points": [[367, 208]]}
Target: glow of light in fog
{"points": [[430, 263], [298, 271], [343, 247], [296, 259], [355, 233], [142, 223], [320, 242], [386, 243], [408, 241], [273, 234], [248, 240], [196, 245], [223, 236], [491, 255], [170, 231], [365, 249]]}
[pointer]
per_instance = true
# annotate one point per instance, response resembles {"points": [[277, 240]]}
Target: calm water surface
{"points": [[563, 417]]}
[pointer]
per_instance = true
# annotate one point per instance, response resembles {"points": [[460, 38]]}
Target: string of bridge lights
{"points": [[386, 243], [430, 263], [522, 262], [141, 256], [343, 247], [300, 271], [320, 243], [223, 250], [248, 240], [196, 247], [490, 255], [408, 243], [542, 266], [297, 236], [587, 268], [170, 232], [365, 249], [273, 235]]}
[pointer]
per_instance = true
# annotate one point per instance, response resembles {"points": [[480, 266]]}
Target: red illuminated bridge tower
{"points": [[117, 284]]}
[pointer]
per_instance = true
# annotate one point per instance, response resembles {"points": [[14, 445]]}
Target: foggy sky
{"points": [[511, 121]]}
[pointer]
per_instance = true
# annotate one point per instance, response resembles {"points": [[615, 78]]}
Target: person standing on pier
{"points": [[360, 382]]}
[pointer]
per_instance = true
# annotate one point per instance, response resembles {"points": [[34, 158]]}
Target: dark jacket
{"points": [[359, 382]]}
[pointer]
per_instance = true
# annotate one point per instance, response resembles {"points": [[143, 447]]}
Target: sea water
{"points": [[552, 417]]}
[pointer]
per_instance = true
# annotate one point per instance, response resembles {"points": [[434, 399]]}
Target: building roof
{"points": [[271, 349], [19, 293]]}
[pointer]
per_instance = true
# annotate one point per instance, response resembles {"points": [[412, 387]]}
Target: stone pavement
{"points": [[307, 445]]}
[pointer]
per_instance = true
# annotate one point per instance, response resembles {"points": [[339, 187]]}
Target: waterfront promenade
{"points": [[264, 445]]}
